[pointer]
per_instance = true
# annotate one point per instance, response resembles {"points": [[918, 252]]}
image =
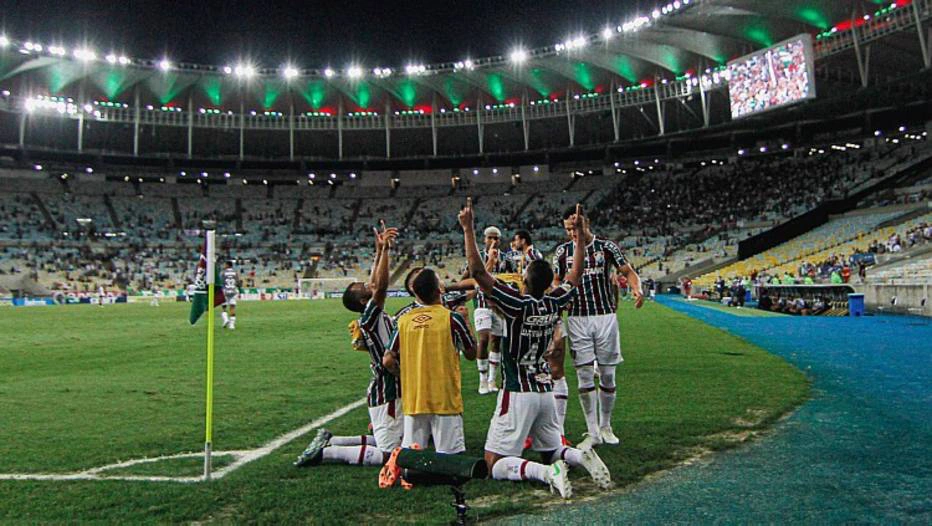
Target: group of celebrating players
{"points": [[415, 396]]}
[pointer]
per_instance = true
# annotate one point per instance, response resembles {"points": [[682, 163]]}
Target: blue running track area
{"points": [[860, 451]]}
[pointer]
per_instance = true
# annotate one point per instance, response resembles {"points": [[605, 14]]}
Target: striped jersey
{"points": [[596, 290], [531, 323], [504, 265], [229, 283], [519, 260], [377, 328]]}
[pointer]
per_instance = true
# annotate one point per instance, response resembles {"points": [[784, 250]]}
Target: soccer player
{"points": [[230, 292], [424, 353], [101, 295], [524, 252], [384, 393], [592, 325], [525, 403], [489, 325], [453, 297]]}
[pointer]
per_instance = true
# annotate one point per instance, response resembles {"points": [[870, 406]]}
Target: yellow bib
{"points": [[430, 364]]}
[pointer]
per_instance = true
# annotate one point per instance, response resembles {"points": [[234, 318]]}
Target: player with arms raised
{"points": [[525, 403], [592, 324], [230, 292], [384, 394]]}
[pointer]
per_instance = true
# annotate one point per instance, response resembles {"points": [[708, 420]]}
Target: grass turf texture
{"points": [[83, 386]]}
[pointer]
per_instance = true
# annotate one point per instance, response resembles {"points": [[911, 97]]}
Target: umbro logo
{"points": [[421, 318]]}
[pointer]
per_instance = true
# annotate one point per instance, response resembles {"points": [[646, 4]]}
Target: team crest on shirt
{"points": [[599, 258]]}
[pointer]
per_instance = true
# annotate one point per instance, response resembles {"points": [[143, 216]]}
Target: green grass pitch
{"points": [[82, 387]]}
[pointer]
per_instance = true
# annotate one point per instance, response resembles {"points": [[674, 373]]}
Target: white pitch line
{"points": [[243, 457]]}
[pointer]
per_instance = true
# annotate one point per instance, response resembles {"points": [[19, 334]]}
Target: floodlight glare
{"points": [[244, 71], [354, 72], [165, 64], [85, 55], [111, 58], [290, 72], [4, 41], [328, 73], [518, 56], [228, 70], [123, 60], [607, 33]]}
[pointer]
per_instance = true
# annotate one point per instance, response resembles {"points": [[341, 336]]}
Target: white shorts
{"points": [[521, 415], [594, 338], [387, 425], [229, 300], [487, 320], [446, 430]]}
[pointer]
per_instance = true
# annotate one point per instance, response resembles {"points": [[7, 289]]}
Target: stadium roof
{"points": [[675, 40]]}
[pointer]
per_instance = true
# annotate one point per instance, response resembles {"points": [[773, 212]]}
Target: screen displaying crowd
{"points": [[775, 77]]}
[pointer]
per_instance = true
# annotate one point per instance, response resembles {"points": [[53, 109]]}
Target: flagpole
{"points": [[209, 423]]}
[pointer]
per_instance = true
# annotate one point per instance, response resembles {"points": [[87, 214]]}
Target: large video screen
{"points": [[774, 77]]}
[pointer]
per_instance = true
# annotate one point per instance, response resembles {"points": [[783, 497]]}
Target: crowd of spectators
{"points": [[145, 242]]}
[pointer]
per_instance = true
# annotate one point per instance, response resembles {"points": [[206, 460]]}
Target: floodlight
{"points": [[354, 72], [4, 41], [328, 73], [518, 56], [607, 33], [111, 58], [290, 72], [165, 64], [244, 71], [85, 55]]}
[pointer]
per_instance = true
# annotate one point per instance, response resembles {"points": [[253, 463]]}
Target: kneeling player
{"points": [[384, 395], [525, 404]]}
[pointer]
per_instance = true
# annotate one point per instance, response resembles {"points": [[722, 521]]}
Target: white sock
{"points": [[225, 317], [483, 366], [607, 394], [355, 440], [364, 455], [572, 456], [606, 406], [516, 468], [561, 393], [232, 321], [590, 406], [494, 359]]}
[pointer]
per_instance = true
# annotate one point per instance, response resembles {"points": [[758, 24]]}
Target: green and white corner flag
{"points": [[205, 267]]}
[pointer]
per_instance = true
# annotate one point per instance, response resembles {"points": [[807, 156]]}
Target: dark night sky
{"points": [[311, 34]]}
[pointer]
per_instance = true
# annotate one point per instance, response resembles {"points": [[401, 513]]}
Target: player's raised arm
{"points": [[378, 255], [380, 276], [579, 247], [476, 265]]}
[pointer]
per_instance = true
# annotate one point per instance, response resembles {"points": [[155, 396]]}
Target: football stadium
{"points": [[350, 263]]}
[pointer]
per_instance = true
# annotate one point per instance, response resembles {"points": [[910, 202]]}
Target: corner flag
{"points": [[200, 301]]}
